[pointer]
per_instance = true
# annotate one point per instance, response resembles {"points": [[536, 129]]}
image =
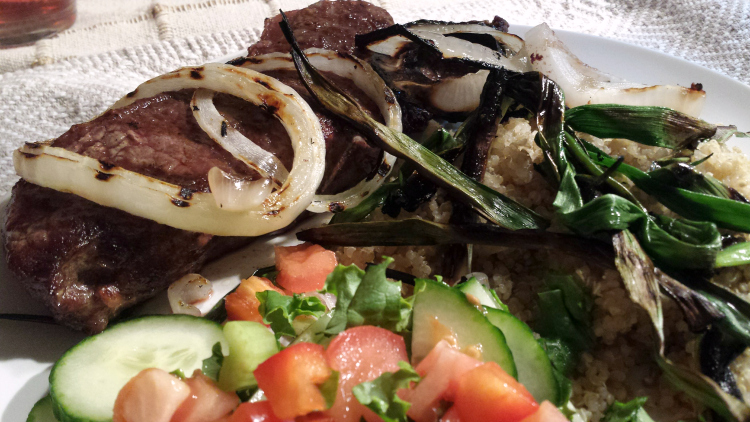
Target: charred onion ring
{"points": [[165, 203], [366, 79]]}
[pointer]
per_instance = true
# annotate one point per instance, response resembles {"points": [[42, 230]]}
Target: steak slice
{"points": [[88, 262]]}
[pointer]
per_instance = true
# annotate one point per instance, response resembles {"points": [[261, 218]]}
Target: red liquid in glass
{"points": [[23, 21]]}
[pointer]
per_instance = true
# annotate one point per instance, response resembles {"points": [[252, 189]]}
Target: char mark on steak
{"points": [[87, 262]]}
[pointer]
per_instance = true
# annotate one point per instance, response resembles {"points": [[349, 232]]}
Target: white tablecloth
{"points": [[116, 44]]}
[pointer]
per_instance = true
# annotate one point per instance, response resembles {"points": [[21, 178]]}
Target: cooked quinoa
{"points": [[620, 367]]}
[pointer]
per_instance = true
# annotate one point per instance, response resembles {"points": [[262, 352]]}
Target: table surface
{"points": [[712, 33]]}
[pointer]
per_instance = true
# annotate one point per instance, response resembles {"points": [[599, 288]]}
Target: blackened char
{"points": [[88, 262]]}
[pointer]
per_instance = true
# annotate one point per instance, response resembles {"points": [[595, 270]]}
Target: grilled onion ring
{"points": [[166, 203], [366, 79]]}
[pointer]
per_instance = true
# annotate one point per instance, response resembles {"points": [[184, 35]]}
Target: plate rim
{"points": [[13, 386]]}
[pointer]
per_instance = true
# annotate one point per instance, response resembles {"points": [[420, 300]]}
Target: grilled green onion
{"points": [[491, 204]]}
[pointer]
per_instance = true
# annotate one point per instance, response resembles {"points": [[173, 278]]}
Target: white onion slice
{"points": [[390, 46], [234, 194], [166, 203], [456, 48], [186, 292], [450, 48], [514, 43], [583, 84], [366, 79], [243, 149], [328, 299], [459, 94]]}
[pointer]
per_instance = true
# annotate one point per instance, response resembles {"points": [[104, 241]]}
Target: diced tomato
{"points": [[547, 412], [361, 354], [153, 395], [206, 402], [440, 370], [242, 304], [451, 415], [291, 377], [487, 393], [314, 417], [303, 268], [254, 412]]}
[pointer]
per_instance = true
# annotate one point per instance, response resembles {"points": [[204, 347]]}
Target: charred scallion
{"points": [[421, 232], [410, 189], [479, 134], [654, 126], [686, 192], [544, 99], [641, 280], [737, 254], [491, 204]]}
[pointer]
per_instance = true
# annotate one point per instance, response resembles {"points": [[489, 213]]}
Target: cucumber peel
{"points": [[85, 381], [534, 367], [440, 309], [485, 296], [43, 411]]}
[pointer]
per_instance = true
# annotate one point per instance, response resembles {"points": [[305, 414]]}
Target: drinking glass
{"points": [[25, 21]]}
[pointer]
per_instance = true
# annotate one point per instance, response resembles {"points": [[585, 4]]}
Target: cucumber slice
{"points": [[43, 411], [534, 368], [250, 344], [85, 381], [442, 310], [485, 296]]}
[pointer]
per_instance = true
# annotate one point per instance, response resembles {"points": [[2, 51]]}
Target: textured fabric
{"points": [[115, 45]]}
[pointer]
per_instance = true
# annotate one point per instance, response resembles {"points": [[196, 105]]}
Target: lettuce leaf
{"points": [[565, 314], [380, 395], [279, 311], [367, 298]]}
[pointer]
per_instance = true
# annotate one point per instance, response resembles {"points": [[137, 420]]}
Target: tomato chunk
{"points": [[254, 412], [451, 415], [303, 268], [547, 412], [487, 393], [440, 370], [361, 354], [242, 304], [291, 377], [153, 395], [206, 402]]}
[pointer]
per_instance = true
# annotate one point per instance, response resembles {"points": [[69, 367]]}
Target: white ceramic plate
{"points": [[27, 350]]}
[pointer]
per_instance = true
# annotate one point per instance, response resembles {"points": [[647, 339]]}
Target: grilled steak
{"points": [[331, 25], [87, 262]]}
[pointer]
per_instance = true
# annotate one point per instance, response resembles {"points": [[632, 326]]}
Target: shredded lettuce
{"points": [[381, 394]]}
